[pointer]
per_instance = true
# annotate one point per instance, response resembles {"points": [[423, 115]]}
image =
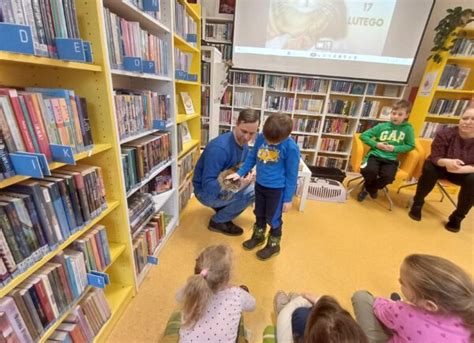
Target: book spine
{"points": [[21, 121], [8, 306], [42, 241], [56, 228], [29, 125], [59, 210], [6, 254], [11, 122], [10, 237], [17, 231], [33, 292], [32, 311], [20, 304], [71, 218], [26, 225]]}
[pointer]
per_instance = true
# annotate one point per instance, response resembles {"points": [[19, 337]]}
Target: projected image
{"points": [[328, 25], [305, 25]]}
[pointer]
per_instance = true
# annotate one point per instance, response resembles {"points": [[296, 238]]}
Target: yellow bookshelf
{"points": [[424, 100]]}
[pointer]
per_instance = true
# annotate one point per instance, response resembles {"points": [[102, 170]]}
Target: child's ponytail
{"points": [[211, 273]]}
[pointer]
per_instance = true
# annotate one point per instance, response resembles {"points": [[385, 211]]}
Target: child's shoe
{"points": [[415, 212], [454, 223], [272, 248], [258, 238], [279, 301], [293, 295], [362, 195], [374, 195]]}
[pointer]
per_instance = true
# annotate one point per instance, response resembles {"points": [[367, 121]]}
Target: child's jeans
{"points": [[378, 173]]}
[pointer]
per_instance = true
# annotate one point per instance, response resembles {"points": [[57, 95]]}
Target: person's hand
{"points": [[244, 182], [310, 297], [252, 175], [453, 165], [233, 177], [286, 206], [385, 147]]}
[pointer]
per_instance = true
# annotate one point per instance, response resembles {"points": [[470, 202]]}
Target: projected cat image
{"points": [[305, 24]]}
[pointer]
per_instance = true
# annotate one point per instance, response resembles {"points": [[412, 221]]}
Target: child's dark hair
{"points": [[328, 322], [444, 283], [402, 105], [277, 127], [212, 270]]}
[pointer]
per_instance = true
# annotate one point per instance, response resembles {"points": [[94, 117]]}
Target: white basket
{"points": [[325, 190]]}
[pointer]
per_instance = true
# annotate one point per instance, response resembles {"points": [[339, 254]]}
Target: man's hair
{"points": [[402, 104], [248, 116], [277, 127]]}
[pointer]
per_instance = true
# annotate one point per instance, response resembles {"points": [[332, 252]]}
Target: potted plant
{"points": [[456, 17]]}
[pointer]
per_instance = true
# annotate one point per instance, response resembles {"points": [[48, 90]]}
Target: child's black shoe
{"points": [[374, 195], [272, 248], [415, 212], [362, 195], [454, 223], [258, 238]]}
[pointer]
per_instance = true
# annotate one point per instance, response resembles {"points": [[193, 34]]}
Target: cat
{"points": [[229, 187]]}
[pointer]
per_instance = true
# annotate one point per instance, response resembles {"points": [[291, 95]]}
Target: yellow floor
{"points": [[329, 249]]}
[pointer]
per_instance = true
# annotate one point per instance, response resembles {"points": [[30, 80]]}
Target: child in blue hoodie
{"points": [[277, 157]]}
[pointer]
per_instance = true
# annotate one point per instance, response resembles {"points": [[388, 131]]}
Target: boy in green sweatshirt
{"points": [[386, 141]]}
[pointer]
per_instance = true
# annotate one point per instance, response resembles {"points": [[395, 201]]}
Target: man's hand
{"points": [[233, 177], [286, 206]]}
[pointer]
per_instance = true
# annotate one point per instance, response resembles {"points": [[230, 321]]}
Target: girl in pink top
{"points": [[439, 306], [211, 306]]}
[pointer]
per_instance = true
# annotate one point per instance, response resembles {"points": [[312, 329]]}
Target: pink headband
{"points": [[203, 272]]}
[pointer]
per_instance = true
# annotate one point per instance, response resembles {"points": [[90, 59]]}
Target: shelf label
{"points": [[62, 153], [191, 38], [191, 77], [151, 5], [180, 74], [97, 281], [159, 124], [132, 64], [152, 259], [102, 274], [70, 49], [88, 51], [26, 165], [16, 38], [148, 67]]}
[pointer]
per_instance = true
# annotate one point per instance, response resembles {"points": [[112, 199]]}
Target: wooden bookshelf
{"points": [[426, 99]]}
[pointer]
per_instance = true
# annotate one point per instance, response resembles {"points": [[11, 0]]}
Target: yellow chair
{"points": [[423, 146], [408, 162]]}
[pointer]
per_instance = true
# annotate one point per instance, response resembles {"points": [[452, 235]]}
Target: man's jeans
{"points": [[228, 209]]}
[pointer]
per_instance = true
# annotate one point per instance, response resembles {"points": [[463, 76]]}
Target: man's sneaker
{"points": [[374, 195], [236, 227], [279, 301], [454, 223], [415, 212], [362, 195], [272, 248], [258, 238], [225, 228]]}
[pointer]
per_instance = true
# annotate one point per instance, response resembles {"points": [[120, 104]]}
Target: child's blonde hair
{"points": [[444, 283], [211, 272]]}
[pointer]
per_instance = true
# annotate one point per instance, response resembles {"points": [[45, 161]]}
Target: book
{"points": [[8, 307], [385, 112], [187, 103]]}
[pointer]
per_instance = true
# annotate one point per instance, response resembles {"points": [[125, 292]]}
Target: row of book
{"points": [[161, 183], [282, 83], [36, 215], [347, 87], [128, 39], [185, 193], [248, 79], [463, 46], [33, 118], [279, 103], [225, 49], [95, 247], [305, 142], [221, 31], [306, 125], [227, 97], [344, 107], [225, 116], [147, 240], [48, 19], [332, 144], [364, 125], [182, 60], [309, 105], [141, 156], [137, 109], [371, 109], [430, 129], [454, 76], [140, 208], [305, 85], [331, 162], [205, 102], [243, 99], [85, 320], [448, 107], [205, 73], [184, 24], [336, 126], [186, 165]]}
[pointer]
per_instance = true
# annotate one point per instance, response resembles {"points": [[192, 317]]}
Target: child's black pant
{"points": [[268, 208], [378, 172]]}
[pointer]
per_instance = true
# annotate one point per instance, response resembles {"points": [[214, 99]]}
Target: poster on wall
{"points": [[227, 6]]}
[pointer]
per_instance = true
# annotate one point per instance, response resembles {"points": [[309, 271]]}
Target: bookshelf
{"points": [[450, 89], [188, 122], [326, 112], [98, 82], [217, 32]]}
